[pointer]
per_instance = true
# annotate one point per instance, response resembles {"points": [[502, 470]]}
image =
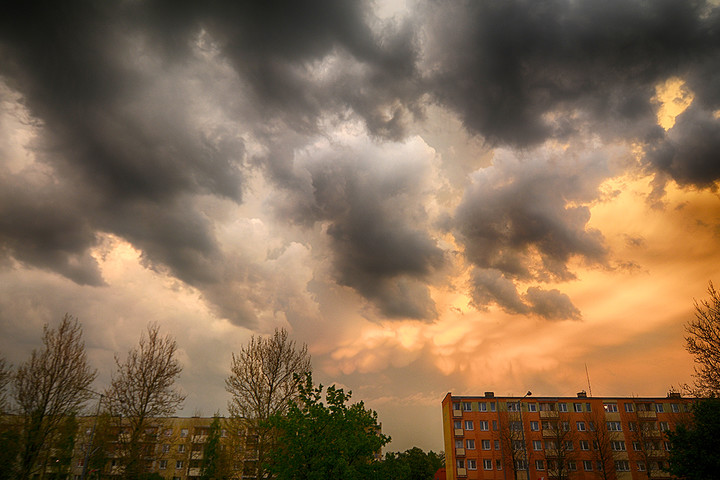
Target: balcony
{"points": [[196, 455], [457, 413], [459, 432], [199, 438], [647, 414], [549, 414], [461, 472], [193, 472], [459, 452]]}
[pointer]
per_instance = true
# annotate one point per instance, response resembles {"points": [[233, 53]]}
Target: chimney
{"points": [[582, 394], [489, 394]]}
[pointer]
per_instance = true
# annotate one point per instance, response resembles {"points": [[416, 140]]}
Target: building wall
{"points": [[481, 434]]}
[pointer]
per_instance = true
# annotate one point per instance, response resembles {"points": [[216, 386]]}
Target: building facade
{"points": [[546, 438]]}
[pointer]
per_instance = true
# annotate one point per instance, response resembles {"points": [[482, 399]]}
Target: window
{"points": [[636, 446], [458, 444], [521, 465], [599, 465], [486, 444], [497, 444], [532, 407], [534, 426], [622, 465], [629, 407], [165, 448], [572, 465], [81, 462], [487, 464], [617, 445], [163, 464], [178, 464], [537, 445], [168, 432], [566, 426], [492, 406], [181, 448], [482, 406], [483, 425], [517, 445], [584, 445], [591, 426], [562, 407], [569, 445], [546, 425], [456, 406], [469, 424], [667, 446], [610, 407], [675, 407], [470, 444], [513, 406], [664, 426], [460, 463], [587, 465], [641, 466], [659, 408], [458, 423], [577, 407], [515, 426], [632, 426], [614, 426], [495, 425], [472, 464], [580, 426], [467, 406], [184, 432], [588, 408], [547, 407], [550, 445], [498, 464], [539, 465]]}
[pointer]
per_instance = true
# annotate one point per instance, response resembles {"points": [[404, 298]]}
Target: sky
{"points": [[434, 196]]}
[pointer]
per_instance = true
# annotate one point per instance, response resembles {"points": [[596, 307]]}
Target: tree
{"points": [[703, 341], [562, 444], [695, 452], [215, 462], [602, 438], [265, 377], [5, 379], [512, 438], [317, 441], [49, 387], [413, 464], [140, 394]]}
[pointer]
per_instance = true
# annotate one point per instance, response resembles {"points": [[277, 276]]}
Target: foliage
{"points": [[49, 387], [141, 392], [695, 451], [318, 441], [264, 378], [703, 342], [216, 463], [413, 464]]}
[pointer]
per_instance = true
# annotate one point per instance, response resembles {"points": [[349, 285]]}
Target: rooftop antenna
{"points": [[587, 375]]}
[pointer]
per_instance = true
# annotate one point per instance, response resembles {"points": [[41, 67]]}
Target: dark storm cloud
{"points": [[371, 201], [524, 219], [519, 72]]}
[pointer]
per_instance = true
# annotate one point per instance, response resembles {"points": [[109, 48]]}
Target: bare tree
{"points": [[141, 393], [264, 377], [5, 378], [703, 341], [560, 449], [602, 438], [512, 439], [647, 439], [50, 386]]}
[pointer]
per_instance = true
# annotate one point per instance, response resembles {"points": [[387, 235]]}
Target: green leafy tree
{"points": [[318, 441], [216, 461], [695, 451], [703, 342], [413, 464]]}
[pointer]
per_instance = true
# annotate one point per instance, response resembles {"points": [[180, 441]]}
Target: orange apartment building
{"points": [[558, 438]]}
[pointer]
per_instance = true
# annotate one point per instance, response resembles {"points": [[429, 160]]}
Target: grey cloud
{"points": [[512, 68], [551, 304], [377, 224], [523, 219]]}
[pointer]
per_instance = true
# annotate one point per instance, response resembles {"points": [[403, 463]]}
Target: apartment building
{"points": [[576, 438], [173, 448]]}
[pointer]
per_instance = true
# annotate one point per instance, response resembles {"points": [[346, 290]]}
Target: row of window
{"points": [[617, 445], [484, 425], [552, 465], [579, 407]]}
